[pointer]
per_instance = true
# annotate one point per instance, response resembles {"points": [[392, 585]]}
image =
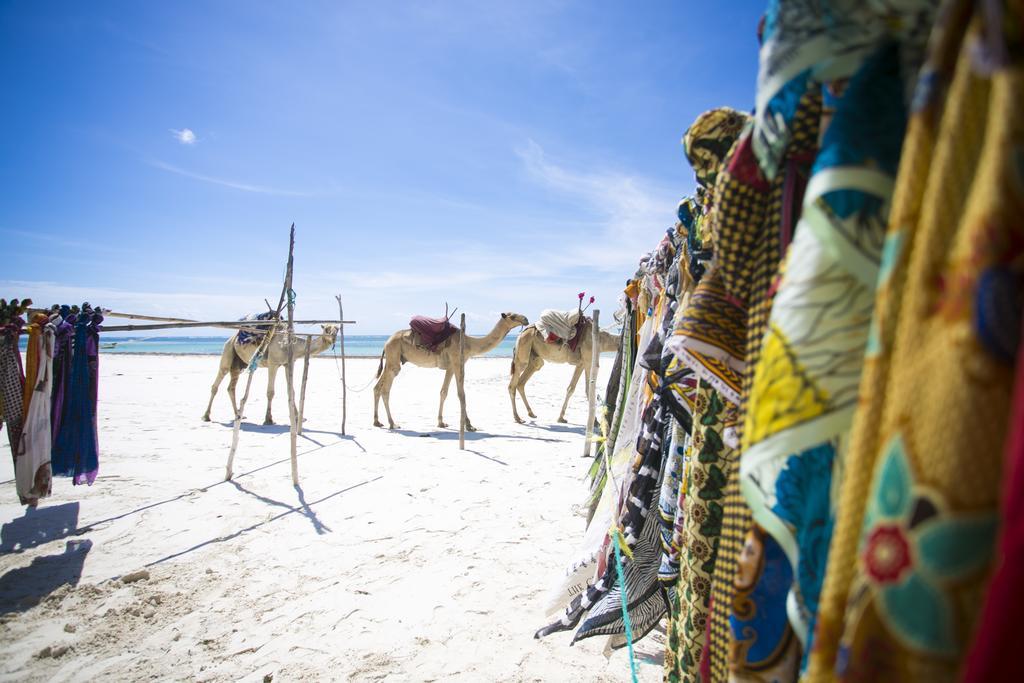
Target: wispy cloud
{"points": [[62, 242], [185, 136], [225, 182], [628, 210]]}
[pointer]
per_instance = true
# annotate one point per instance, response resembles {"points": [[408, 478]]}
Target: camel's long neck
{"points": [[321, 344], [477, 346]]}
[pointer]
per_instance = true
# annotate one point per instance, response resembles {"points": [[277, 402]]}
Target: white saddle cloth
{"points": [[560, 323]]}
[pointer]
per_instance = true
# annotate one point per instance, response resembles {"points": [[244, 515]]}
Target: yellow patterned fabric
{"points": [[709, 335], [708, 140], [917, 516]]}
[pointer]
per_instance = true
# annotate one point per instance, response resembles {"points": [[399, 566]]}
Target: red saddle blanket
{"points": [[581, 328], [432, 332]]}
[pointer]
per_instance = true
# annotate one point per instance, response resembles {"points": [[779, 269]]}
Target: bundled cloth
{"points": [[561, 326], [252, 336], [432, 332]]}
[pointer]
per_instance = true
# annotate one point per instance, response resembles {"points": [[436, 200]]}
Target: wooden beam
{"points": [[232, 324]]}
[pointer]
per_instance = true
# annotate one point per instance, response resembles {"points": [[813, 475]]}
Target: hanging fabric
{"points": [[32, 459], [76, 449]]}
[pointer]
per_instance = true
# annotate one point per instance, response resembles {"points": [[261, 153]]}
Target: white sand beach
{"points": [[401, 558]]}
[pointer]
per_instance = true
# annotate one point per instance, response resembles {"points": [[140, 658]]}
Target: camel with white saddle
{"points": [[532, 351]]}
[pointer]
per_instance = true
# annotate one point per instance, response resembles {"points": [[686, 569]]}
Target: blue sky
{"points": [[500, 156]]}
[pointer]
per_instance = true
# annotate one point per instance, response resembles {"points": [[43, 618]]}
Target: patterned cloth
{"points": [[749, 223], [917, 519], [76, 448], [708, 140], [252, 336], [808, 42], [62, 356], [762, 646], [702, 524], [12, 382], [605, 498], [669, 502], [32, 459], [804, 389]]}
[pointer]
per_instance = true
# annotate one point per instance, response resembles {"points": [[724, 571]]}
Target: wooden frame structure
{"points": [[270, 329]]}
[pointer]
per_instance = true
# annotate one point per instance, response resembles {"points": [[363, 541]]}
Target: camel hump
{"points": [[431, 332]]}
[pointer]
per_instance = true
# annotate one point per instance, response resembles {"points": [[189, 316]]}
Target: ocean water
{"points": [[355, 345]]}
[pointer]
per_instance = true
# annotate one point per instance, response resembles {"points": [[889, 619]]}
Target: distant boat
{"points": [[108, 345]]}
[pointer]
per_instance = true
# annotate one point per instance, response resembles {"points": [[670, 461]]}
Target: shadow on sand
{"points": [[25, 587], [303, 509], [38, 526], [453, 435]]}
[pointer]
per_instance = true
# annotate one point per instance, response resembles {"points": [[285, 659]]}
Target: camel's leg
{"points": [[271, 377], [568, 392], [386, 395], [513, 384], [221, 372], [535, 364], [444, 394], [460, 386], [390, 367], [227, 358]]}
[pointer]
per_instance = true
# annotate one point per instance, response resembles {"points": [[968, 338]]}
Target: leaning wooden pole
{"points": [[289, 370], [305, 376], [245, 399], [595, 354], [461, 383], [344, 381], [255, 361]]}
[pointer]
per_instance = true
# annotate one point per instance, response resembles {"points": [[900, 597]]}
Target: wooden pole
{"points": [[461, 383], [344, 384], [305, 375], [595, 354], [259, 352], [231, 324], [289, 370]]}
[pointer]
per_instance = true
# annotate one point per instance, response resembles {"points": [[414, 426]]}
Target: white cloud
{"points": [[185, 136], [630, 212], [233, 184]]}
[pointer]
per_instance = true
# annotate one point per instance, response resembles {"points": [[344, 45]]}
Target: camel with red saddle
{"points": [[536, 346], [434, 343]]}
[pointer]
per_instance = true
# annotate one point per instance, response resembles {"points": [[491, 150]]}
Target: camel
{"points": [[237, 356], [531, 352], [401, 347]]}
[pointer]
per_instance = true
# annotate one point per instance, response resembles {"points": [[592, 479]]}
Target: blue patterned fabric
{"points": [[76, 450], [803, 502]]}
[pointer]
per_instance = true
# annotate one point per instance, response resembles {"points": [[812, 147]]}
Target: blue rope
{"points": [[625, 609]]}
